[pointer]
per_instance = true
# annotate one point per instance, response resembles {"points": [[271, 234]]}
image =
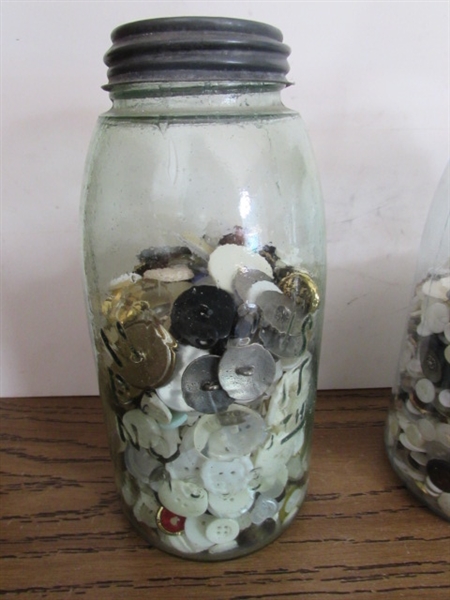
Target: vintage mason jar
{"points": [[205, 278], [418, 426]]}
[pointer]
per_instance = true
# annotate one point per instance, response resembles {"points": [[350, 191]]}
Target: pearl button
{"points": [[183, 498], [221, 531], [225, 261]]}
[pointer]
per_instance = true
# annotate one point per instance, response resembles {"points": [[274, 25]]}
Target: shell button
{"points": [[265, 508], [232, 505], [201, 388], [223, 477], [202, 315], [220, 531], [183, 498], [225, 261], [229, 435], [246, 372]]}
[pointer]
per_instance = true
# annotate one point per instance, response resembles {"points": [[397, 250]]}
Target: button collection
{"points": [[418, 428], [207, 366]]}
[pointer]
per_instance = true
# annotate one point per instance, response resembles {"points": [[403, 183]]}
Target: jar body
{"points": [[205, 274], [418, 426]]}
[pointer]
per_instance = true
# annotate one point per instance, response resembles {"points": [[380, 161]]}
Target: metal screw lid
{"points": [[196, 49]]}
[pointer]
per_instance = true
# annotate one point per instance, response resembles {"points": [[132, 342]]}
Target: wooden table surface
{"points": [[360, 534]]}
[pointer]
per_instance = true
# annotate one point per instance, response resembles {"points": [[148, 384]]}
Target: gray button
{"points": [[246, 372], [281, 313], [201, 388]]}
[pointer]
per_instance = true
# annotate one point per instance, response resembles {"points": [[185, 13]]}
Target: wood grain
{"points": [[359, 535]]}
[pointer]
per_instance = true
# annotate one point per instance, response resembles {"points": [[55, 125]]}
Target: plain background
{"points": [[372, 85]]}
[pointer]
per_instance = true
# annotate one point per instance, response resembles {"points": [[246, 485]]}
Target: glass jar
{"points": [[418, 429], [205, 273]]}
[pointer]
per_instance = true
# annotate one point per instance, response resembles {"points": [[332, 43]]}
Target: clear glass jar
{"points": [[418, 427], [204, 257]]}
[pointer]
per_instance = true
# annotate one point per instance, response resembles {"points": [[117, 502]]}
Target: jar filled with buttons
{"points": [[417, 433], [204, 251]]}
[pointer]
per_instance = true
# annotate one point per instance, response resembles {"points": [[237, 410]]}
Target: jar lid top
{"points": [[196, 49]]}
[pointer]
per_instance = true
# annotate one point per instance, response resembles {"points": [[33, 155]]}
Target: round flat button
{"points": [[246, 325], [152, 405], [432, 359], [226, 477], [230, 435], [259, 288], [170, 393], [222, 531], [301, 287], [146, 509], [437, 316], [170, 274], [444, 503], [195, 530], [245, 278], [225, 261], [439, 473], [183, 498], [141, 429], [144, 353], [202, 316], [425, 391], [232, 505], [281, 313], [140, 463], [265, 508], [201, 388], [246, 372], [187, 466], [169, 522]]}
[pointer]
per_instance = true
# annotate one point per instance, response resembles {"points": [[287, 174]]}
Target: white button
{"points": [[222, 531], [140, 463], [414, 368], [258, 288], [286, 400], [223, 477], [409, 445], [223, 548], [129, 489], [153, 406], [145, 509], [140, 428], [425, 390], [437, 316], [187, 466], [436, 288], [183, 498], [227, 259], [447, 353], [427, 429], [444, 398], [229, 435], [179, 543], [170, 393], [296, 467], [124, 281], [443, 434], [414, 436], [170, 274], [231, 506], [166, 443], [447, 332], [195, 530], [444, 503]]}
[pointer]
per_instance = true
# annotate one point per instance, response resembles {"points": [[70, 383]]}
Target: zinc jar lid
{"points": [[196, 49]]}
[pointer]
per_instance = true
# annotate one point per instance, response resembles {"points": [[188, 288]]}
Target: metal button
{"points": [[281, 313], [246, 325], [170, 393], [201, 388], [169, 522], [300, 286], [432, 360], [246, 372], [202, 316], [143, 299], [143, 353]]}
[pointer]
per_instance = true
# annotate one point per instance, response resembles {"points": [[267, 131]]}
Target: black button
{"points": [[439, 473], [202, 315]]}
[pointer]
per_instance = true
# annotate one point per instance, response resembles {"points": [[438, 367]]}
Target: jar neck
{"points": [[186, 98]]}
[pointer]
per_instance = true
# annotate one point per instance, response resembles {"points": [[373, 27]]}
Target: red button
{"points": [[169, 522]]}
